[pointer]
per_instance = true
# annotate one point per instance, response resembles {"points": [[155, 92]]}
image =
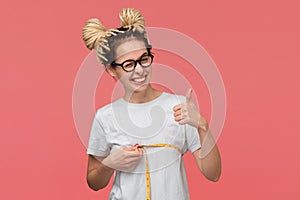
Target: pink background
{"points": [[255, 45]]}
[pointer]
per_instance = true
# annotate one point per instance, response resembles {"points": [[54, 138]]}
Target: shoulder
{"points": [[106, 111]]}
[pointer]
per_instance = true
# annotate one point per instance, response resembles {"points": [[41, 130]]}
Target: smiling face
{"points": [[138, 80]]}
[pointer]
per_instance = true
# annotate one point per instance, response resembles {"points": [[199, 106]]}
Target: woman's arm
{"points": [[98, 175], [100, 169], [208, 157]]}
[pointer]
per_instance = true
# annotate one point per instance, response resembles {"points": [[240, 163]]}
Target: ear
{"points": [[111, 71]]}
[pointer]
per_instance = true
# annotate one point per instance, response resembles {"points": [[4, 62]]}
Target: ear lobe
{"points": [[111, 71]]}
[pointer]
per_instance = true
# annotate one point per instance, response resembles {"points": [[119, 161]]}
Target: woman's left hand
{"points": [[187, 113]]}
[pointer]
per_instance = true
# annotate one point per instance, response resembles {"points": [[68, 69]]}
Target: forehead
{"points": [[130, 49]]}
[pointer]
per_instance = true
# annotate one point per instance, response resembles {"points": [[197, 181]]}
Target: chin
{"points": [[141, 88]]}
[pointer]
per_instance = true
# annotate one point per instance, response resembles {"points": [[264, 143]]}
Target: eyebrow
{"points": [[145, 53]]}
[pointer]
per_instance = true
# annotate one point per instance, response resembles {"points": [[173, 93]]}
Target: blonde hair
{"points": [[96, 36]]}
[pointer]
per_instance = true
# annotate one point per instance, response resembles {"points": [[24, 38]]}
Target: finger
{"points": [[128, 149], [177, 113], [178, 118], [177, 107], [133, 155], [131, 152], [140, 151], [136, 152], [188, 95], [182, 121]]}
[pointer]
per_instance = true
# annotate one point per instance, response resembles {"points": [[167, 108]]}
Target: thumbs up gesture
{"points": [[187, 113]]}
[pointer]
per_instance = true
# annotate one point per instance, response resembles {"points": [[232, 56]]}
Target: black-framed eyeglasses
{"points": [[129, 65]]}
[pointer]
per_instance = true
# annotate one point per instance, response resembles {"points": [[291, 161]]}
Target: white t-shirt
{"points": [[125, 124]]}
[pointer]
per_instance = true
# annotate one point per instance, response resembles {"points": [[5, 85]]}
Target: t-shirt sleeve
{"points": [[97, 142], [192, 138]]}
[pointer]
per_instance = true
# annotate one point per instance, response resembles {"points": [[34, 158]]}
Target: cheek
{"points": [[149, 71], [124, 78], [121, 73]]}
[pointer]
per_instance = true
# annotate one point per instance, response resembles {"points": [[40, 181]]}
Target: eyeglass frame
{"points": [[114, 64]]}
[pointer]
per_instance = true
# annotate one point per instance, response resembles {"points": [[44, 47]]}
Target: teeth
{"points": [[139, 79]]}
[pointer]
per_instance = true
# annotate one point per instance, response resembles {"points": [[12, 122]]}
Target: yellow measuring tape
{"points": [[144, 146]]}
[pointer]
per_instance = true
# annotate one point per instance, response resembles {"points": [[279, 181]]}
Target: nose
{"points": [[139, 69]]}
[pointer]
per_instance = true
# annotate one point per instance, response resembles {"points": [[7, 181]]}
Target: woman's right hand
{"points": [[123, 159]]}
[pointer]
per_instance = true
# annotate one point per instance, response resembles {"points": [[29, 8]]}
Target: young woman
{"points": [[143, 136]]}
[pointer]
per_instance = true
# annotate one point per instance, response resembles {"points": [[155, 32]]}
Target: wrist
{"points": [[202, 125], [105, 166]]}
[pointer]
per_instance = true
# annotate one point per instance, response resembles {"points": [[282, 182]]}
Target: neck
{"points": [[142, 96]]}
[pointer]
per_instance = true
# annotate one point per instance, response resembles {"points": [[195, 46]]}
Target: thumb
{"points": [[188, 95]]}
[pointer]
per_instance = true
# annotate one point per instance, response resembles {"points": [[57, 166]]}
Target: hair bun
{"points": [[132, 17], [92, 32]]}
